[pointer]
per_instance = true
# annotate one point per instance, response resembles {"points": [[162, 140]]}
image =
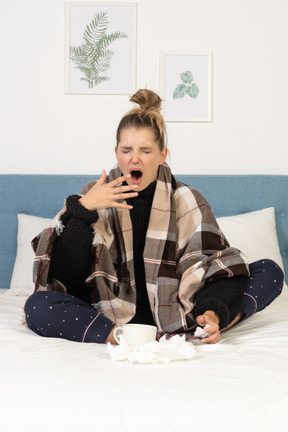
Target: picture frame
{"points": [[186, 86], [100, 48]]}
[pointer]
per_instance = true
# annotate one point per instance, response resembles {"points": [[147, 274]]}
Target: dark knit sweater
{"points": [[72, 256], [140, 218], [72, 259]]}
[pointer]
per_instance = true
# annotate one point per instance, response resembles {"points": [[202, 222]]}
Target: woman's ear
{"points": [[164, 153]]}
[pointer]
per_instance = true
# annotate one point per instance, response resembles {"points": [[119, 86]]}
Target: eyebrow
{"points": [[141, 148]]}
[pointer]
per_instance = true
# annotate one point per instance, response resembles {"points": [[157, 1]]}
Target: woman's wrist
{"points": [[84, 203]]}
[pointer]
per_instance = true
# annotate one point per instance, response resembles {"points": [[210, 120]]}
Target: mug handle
{"points": [[115, 334]]}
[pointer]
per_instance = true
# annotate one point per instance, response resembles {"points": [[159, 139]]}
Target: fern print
{"points": [[187, 87], [93, 57]]}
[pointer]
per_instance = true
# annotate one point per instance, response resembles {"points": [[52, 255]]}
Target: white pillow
{"points": [[254, 234], [22, 276]]}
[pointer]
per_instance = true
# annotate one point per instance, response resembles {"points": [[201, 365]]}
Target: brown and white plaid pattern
{"points": [[184, 248]]}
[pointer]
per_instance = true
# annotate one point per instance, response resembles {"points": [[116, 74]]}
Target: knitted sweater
{"points": [[72, 257]]}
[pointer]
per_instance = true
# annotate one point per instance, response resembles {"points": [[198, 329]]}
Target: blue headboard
{"points": [[43, 195]]}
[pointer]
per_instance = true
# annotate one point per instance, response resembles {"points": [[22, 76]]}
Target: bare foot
{"points": [[111, 338], [235, 321]]}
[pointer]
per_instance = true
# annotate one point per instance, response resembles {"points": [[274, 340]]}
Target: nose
{"points": [[135, 157]]}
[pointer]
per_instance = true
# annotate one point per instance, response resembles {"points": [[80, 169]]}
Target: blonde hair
{"points": [[146, 115]]}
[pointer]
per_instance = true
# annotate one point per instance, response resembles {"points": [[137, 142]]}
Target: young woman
{"points": [[139, 246]]}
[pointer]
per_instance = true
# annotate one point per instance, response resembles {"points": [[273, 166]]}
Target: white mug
{"points": [[136, 334]]}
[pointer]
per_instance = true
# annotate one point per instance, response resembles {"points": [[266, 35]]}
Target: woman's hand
{"points": [[102, 196], [212, 319]]}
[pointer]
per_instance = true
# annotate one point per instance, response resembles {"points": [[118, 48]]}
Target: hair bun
{"points": [[146, 115], [147, 99]]}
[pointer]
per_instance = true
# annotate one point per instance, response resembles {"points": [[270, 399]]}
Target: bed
{"points": [[51, 384]]}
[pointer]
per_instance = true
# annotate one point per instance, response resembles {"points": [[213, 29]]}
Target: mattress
{"points": [[50, 384]]}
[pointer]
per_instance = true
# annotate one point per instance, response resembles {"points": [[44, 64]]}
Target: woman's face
{"points": [[138, 154]]}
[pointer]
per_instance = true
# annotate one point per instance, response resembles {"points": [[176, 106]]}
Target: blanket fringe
{"points": [[59, 227]]}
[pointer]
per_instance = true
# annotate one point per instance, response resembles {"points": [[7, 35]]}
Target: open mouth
{"points": [[136, 176]]}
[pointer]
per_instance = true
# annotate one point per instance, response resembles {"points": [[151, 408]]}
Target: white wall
{"points": [[45, 131]]}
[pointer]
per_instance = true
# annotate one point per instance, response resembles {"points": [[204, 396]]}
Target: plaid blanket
{"points": [[184, 248]]}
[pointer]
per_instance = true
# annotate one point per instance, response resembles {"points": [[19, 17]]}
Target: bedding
{"points": [[241, 383], [244, 231]]}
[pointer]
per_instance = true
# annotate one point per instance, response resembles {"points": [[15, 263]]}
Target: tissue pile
{"points": [[164, 351]]}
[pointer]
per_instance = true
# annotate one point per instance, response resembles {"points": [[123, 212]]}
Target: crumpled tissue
{"points": [[164, 351], [201, 332]]}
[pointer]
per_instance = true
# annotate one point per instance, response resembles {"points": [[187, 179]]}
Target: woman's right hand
{"points": [[102, 196]]}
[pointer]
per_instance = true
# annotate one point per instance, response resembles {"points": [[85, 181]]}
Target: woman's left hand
{"points": [[210, 318]]}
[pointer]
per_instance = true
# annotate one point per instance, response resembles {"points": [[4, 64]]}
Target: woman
{"points": [[139, 246]]}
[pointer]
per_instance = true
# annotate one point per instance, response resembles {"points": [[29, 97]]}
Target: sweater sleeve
{"points": [[223, 296], [72, 257]]}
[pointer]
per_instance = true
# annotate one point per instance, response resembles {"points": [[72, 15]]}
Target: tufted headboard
{"points": [[43, 195]]}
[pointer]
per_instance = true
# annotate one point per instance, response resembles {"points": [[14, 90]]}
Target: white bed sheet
{"points": [[55, 385]]}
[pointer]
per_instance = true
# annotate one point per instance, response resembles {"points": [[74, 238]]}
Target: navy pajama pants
{"points": [[55, 314], [262, 287]]}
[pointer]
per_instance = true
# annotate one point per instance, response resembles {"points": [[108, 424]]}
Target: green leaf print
{"points": [[193, 91], [93, 58], [179, 92], [187, 77], [188, 87]]}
